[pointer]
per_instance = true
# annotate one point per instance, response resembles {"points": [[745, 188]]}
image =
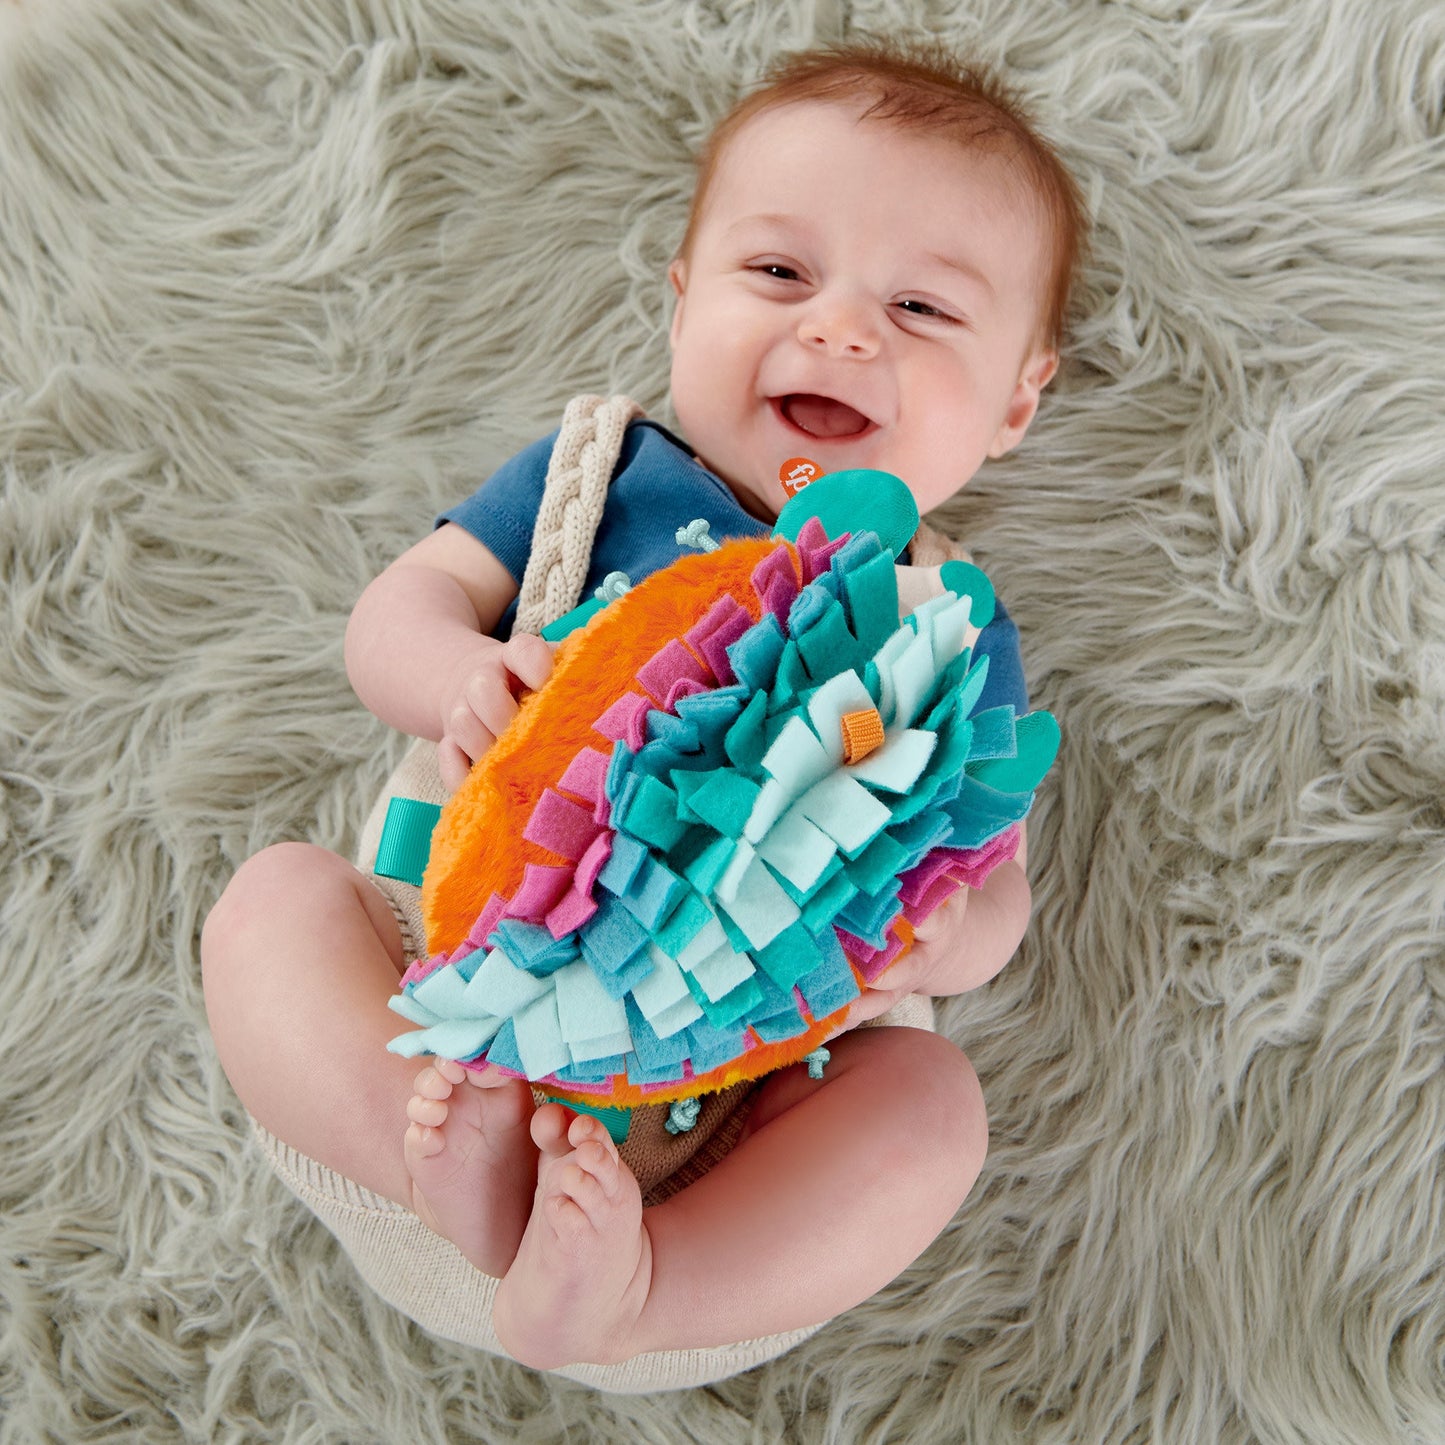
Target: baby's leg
{"points": [[299, 957], [835, 1187]]}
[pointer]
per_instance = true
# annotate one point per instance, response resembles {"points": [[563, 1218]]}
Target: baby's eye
{"points": [[776, 269], [923, 308]]}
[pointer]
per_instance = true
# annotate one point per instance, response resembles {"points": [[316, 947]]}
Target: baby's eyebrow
{"points": [[955, 263], [765, 218]]}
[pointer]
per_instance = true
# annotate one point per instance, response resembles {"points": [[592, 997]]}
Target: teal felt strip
{"points": [[745, 742], [846, 811], [877, 865], [797, 850], [651, 815], [585, 1011], [459, 1039], [724, 800], [727, 886], [405, 1005], [774, 800], [710, 866], [540, 1044], [688, 919], [828, 645], [841, 694], [655, 892], [896, 765], [822, 908], [443, 991], [1037, 737], [708, 939], [729, 1009], [754, 656], [793, 953], [790, 678], [721, 971], [913, 675], [662, 988], [406, 836], [980, 813], [871, 592], [758, 906], [994, 735], [797, 759], [501, 988]]}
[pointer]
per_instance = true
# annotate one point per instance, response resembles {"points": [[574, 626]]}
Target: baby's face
{"points": [[861, 296]]}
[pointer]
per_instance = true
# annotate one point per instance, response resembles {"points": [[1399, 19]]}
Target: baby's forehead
{"points": [[828, 132]]}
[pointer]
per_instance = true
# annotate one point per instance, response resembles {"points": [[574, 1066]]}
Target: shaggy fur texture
{"points": [[277, 280]]}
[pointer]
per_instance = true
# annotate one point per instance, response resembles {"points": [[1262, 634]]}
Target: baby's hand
{"points": [[935, 939], [476, 709]]}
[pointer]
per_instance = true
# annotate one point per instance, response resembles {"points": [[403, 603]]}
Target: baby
{"points": [[874, 274]]}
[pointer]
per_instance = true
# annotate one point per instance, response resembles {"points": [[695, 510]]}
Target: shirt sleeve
{"points": [[502, 512], [999, 642]]}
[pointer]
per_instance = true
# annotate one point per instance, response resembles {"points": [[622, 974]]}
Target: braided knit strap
{"points": [[578, 475]]}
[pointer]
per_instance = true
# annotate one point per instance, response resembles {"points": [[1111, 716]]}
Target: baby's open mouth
{"points": [[821, 416]]}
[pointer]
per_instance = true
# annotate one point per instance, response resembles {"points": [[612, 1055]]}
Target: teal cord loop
{"points": [[682, 1116], [697, 536], [612, 586], [815, 1062]]}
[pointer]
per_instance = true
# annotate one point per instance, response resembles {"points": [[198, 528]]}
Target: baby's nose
{"points": [[840, 325]]}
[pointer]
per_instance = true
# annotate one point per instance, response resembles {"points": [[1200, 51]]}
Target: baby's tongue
{"points": [[821, 416]]}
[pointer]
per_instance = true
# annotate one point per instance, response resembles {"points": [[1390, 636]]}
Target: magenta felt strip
{"points": [[421, 967], [917, 881], [487, 920], [623, 721], [775, 583], [541, 890], [721, 626], [592, 861], [683, 687], [562, 827], [570, 913], [586, 775], [881, 958], [815, 551], [937, 894], [664, 668], [973, 865]]}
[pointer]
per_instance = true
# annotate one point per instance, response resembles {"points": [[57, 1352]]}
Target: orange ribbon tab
{"points": [[797, 472]]}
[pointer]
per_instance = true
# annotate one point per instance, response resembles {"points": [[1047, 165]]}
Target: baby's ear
{"points": [[677, 274], [1036, 375]]}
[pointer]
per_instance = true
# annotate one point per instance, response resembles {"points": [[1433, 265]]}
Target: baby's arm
{"points": [[962, 944], [418, 653]]}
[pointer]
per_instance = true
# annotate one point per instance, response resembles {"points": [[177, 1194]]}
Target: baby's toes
{"points": [[432, 1083], [429, 1112], [422, 1142]]}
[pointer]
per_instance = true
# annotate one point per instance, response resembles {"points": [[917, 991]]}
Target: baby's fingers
{"points": [[528, 659]]}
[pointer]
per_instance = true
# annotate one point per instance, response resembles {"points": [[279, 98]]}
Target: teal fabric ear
{"points": [[857, 500], [963, 579]]}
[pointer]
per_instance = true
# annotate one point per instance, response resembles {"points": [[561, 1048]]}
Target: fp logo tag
{"points": [[796, 473]]}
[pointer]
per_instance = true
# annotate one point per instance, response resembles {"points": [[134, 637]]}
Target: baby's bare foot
{"points": [[582, 1272], [471, 1160]]}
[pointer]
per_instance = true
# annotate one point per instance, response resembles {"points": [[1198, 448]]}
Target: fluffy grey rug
{"points": [[278, 279]]}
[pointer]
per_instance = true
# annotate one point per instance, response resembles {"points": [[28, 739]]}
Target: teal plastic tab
{"points": [[406, 839], [616, 1120]]}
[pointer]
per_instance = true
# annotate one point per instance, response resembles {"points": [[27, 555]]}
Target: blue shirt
{"points": [[658, 488]]}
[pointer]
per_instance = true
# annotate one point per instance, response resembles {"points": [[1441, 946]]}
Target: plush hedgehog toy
{"points": [[744, 783]]}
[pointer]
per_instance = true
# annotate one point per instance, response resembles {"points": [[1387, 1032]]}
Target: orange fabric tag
{"points": [[862, 732], [796, 473]]}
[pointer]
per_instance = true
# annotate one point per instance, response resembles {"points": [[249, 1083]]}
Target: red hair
{"points": [[919, 87]]}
